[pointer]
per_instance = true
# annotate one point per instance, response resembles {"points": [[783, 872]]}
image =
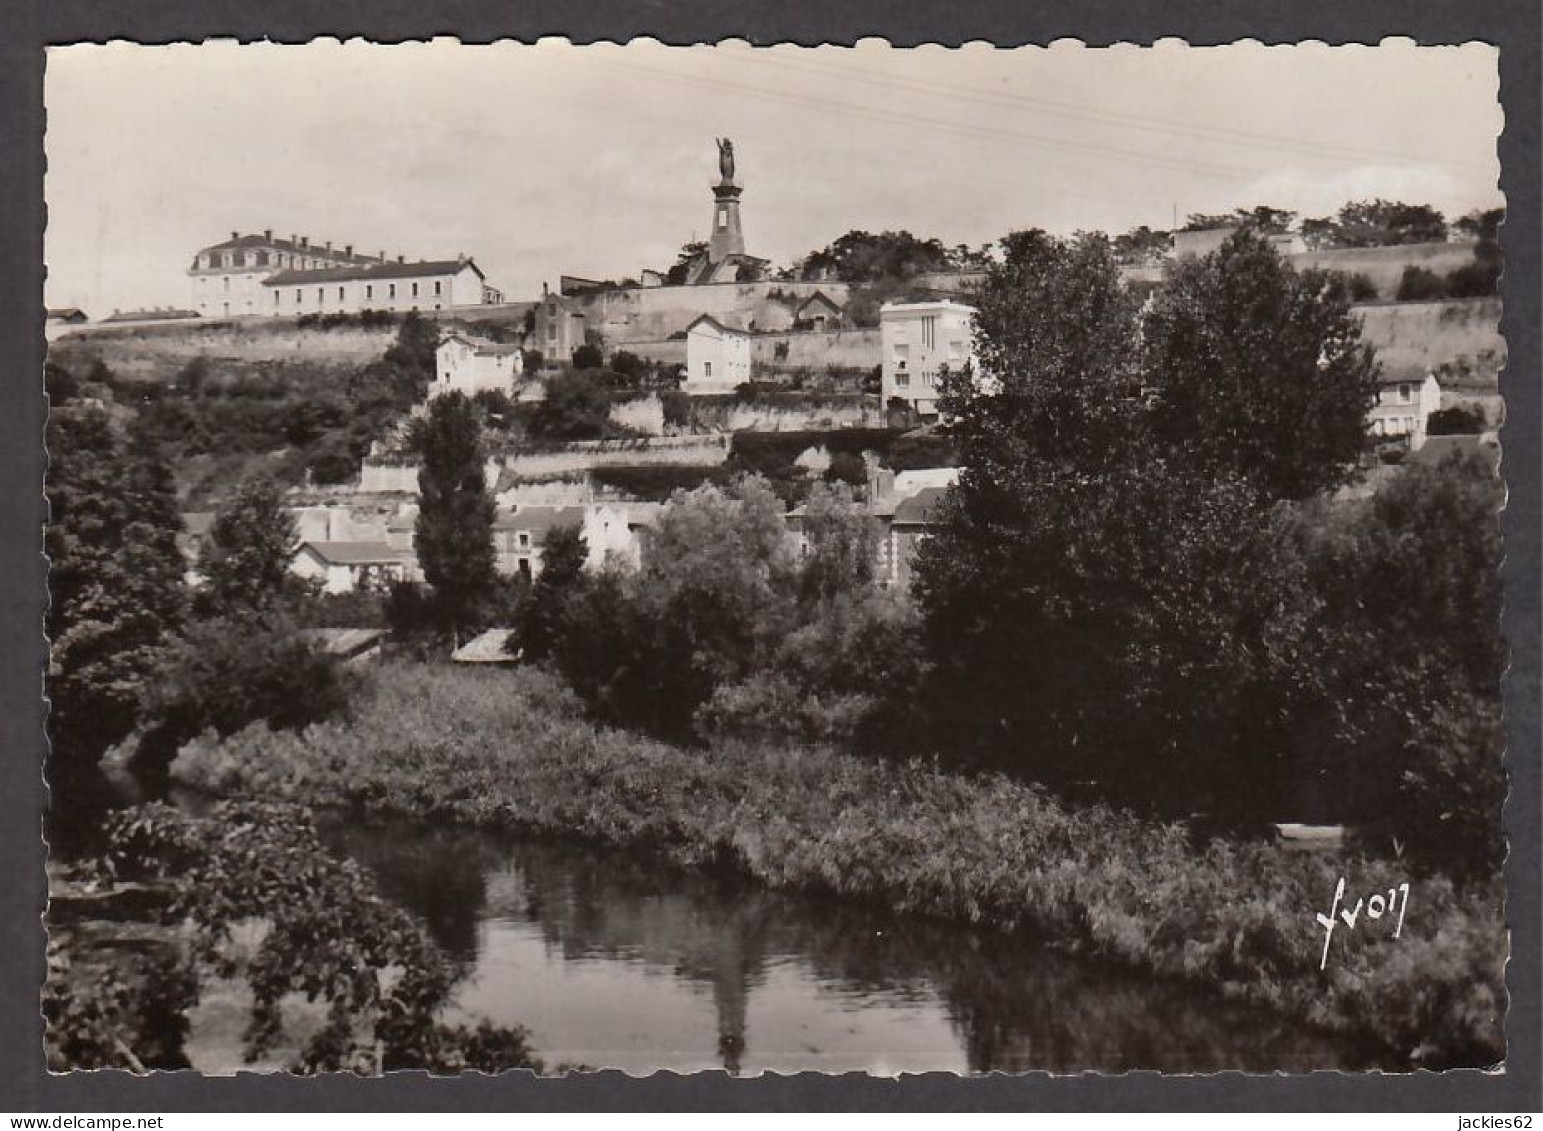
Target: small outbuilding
{"points": [[717, 357]]}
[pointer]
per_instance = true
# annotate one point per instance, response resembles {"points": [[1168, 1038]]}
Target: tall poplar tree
{"points": [[455, 514]]}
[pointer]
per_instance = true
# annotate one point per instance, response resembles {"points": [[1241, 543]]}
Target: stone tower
{"points": [[727, 237]]}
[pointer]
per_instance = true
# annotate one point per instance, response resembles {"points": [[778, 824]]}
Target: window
{"points": [[321, 294], [226, 281], [340, 294], [902, 380], [524, 540], [525, 567], [929, 327], [436, 286], [391, 288], [723, 217], [297, 296], [275, 298], [369, 291], [707, 369], [1405, 393], [415, 290]]}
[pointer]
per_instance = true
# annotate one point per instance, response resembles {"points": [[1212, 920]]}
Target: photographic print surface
{"points": [[774, 558]]}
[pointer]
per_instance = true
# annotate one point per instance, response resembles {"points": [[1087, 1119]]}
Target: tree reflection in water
{"points": [[1013, 1005]]}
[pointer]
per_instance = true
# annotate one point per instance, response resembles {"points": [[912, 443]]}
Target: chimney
{"points": [[329, 247], [235, 235], [382, 255], [268, 234], [348, 250], [293, 239], [305, 241], [401, 259]]}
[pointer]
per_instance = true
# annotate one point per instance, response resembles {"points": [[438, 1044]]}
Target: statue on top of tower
{"points": [[726, 159]]}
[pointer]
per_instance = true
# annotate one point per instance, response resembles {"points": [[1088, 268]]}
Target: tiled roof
{"points": [[343, 641], [356, 553], [539, 521], [418, 270], [818, 296], [316, 249], [723, 326], [921, 507], [482, 345], [489, 648]]}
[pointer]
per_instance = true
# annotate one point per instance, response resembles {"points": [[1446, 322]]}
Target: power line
{"points": [[960, 128], [1119, 119]]}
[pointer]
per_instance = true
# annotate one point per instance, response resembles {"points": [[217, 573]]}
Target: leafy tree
{"points": [[865, 257], [330, 938], [562, 571], [588, 357], [1092, 607], [843, 543], [1259, 371], [455, 515], [1320, 233], [1410, 585], [225, 673], [577, 407], [115, 581], [716, 591], [1142, 245], [1378, 223], [680, 272], [1056, 330], [417, 339], [246, 560], [1481, 225]]}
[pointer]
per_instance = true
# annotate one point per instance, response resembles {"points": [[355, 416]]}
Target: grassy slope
{"points": [[491, 748]]}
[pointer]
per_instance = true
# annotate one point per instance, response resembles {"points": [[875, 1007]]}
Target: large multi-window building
{"points": [[919, 339], [262, 275]]}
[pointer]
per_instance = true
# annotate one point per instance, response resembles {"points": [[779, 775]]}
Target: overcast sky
{"points": [[549, 159]]}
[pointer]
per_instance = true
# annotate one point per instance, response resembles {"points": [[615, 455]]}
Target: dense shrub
{"points": [[223, 674], [588, 357], [1458, 420], [1420, 284], [1231, 917], [1474, 280], [657, 482]]}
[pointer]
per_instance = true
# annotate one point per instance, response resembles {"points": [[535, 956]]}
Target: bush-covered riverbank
{"points": [[513, 750]]}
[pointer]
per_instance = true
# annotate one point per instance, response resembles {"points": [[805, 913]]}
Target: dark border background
{"points": [[30, 24]]}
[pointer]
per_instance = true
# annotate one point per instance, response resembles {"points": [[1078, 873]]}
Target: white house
{"points": [[917, 340], [717, 357], [470, 365], [1404, 404], [398, 285], [342, 567]]}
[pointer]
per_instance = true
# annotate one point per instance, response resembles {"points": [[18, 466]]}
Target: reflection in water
{"points": [[617, 962]]}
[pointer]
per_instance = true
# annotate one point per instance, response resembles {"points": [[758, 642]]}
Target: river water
{"points": [[617, 962]]}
